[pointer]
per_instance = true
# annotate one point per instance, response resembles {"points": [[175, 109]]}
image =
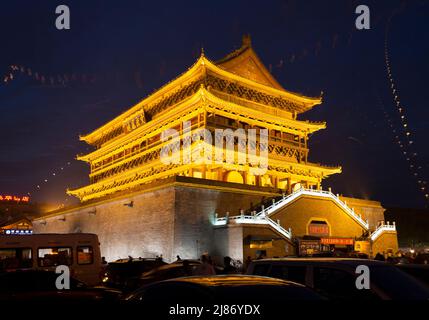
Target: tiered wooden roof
{"points": [[240, 74]]}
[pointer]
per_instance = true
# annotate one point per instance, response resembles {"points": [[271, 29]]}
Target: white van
{"points": [[79, 251]]}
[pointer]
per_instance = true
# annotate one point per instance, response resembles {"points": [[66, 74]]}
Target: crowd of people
{"points": [[404, 258]]}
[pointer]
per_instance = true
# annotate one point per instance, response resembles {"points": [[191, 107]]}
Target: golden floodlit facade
{"points": [[236, 92], [223, 207]]}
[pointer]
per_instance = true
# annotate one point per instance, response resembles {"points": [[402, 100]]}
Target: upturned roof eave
{"points": [[193, 72]]}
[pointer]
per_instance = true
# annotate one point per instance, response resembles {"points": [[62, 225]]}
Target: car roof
{"points": [[234, 280], [189, 260], [345, 261], [172, 266], [135, 260], [412, 266]]}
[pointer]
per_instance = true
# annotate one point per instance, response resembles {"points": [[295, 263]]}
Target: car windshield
{"points": [[397, 284]]}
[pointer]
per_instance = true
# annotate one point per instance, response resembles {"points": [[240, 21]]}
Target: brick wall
{"points": [[369, 210], [172, 220], [144, 230], [228, 242], [387, 242], [176, 219], [300, 212], [195, 210]]}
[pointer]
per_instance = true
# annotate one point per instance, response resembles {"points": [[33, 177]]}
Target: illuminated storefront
{"points": [[20, 227], [14, 199]]}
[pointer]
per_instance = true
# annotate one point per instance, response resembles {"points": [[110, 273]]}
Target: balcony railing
{"points": [[262, 217], [312, 192], [245, 219], [383, 228]]}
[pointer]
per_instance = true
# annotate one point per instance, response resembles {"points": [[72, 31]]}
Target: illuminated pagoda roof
{"points": [[246, 63], [240, 75], [235, 92]]}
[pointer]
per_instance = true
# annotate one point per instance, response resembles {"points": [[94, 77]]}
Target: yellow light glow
{"points": [[131, 156]]}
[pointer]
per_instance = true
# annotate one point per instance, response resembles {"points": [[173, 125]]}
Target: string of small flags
{"points": [[62, 80], [414, 167], [306, 52], [313, 50], [404, 135], [51, 176], [52, 80]]}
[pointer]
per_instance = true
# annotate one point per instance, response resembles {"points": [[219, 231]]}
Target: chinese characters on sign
{"points": [[318, 229], [4, 198], [337, 241], [19, 232], [309, 247]]}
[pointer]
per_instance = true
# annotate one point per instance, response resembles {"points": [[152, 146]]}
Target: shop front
{"points": [[333, 244], [308, 247], [311, 245]]}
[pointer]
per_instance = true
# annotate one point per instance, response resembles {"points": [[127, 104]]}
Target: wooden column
{"points": [[203, 171], [276, 181]]}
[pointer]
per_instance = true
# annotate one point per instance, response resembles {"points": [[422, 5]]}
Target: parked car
{"points": [[335, 278], [173, 270], [194, 263], [39, 285], [164, 272], [420, 272], [222, 289], [118, 273]]}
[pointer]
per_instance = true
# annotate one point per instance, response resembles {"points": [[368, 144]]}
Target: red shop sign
{"points": [[338, 241]]}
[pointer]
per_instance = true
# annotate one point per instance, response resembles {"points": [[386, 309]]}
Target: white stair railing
{"points": [[383, 228], [245, 219], [311, 192], [279, 228], [263, 216]]}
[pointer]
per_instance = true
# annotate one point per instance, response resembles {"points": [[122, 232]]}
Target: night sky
{"points": [[118, 52]]}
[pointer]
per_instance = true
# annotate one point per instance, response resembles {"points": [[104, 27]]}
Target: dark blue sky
{"points": [[112, 43]]}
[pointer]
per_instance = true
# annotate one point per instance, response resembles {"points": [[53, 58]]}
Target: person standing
{"points": [[205, 268], [247, 263], [227, 267]]}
